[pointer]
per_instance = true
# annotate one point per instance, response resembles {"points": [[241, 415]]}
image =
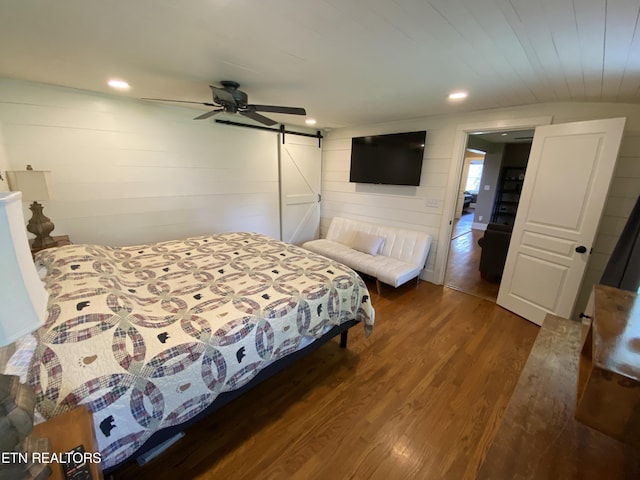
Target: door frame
{"points": [[455, 173]]}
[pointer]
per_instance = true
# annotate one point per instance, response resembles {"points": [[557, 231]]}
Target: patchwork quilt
{"points": [[147, 336]]}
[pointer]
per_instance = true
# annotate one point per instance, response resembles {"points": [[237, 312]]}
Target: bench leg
{"points": [[378, 287], [343, 339]]}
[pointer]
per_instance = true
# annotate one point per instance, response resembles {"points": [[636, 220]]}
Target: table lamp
{"points": [[35, 186], [22, 294], [24, 303]]}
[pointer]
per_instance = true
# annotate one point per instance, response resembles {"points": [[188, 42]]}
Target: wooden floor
{"points": [[420, 398], [464, 257]]}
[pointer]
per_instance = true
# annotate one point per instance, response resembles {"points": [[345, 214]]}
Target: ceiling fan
{"points": [[231, 100]]}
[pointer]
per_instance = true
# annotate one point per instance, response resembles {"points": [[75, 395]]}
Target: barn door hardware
{"points": [[281, 130]]}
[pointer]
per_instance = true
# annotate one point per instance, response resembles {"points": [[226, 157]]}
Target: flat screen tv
{"points": [[392, 159]]}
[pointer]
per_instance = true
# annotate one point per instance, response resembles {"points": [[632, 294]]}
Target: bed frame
{"points": [[221, 400]]}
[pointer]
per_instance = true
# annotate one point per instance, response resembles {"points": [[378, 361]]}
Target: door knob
{"points": [[581, 249]]}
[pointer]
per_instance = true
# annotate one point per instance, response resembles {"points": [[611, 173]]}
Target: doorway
{"points": [[300, 162], [483, 202]]}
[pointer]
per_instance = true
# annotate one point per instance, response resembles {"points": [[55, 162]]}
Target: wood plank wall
{"points": [[127, 171], [429, 206]]}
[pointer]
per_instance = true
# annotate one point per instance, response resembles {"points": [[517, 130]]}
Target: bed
{"points": [[151, 337]]}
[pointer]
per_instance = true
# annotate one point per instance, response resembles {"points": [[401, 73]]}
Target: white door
{"points": [[300, 178], [565, 187]]}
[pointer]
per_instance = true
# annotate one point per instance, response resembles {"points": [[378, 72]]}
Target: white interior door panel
{"points": [[565, 187]]}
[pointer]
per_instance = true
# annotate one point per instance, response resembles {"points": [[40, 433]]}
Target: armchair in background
{"points": [[495, 245]]}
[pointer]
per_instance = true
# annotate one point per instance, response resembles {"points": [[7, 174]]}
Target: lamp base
{"points": [[41, 226]]}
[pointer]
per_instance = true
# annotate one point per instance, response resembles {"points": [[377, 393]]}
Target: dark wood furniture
{"points": [[539, 438], [508, 195], [66, 432], [609, 382], [61, 240], [495, 246]]}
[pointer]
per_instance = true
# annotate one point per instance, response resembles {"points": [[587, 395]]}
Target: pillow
{"points": [[367, 243], [346, 238]]}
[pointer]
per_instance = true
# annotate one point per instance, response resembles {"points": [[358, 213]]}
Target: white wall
{"points": [[490, 175], [127, 171], [430, 206]]}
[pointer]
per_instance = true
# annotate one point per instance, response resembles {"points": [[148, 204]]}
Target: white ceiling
{"points": [[348, 62]]}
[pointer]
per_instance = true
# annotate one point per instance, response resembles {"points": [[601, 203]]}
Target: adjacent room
{"points": [[319, 240], [491, 182]]}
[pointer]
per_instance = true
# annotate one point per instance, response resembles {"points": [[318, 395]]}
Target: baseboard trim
{"points": [[479, 226]]}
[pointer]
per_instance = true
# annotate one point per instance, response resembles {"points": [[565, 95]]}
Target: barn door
{"points": [[565, 187], [300, 176]]}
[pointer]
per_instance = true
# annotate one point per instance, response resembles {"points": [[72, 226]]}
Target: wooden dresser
{"points": [[539, 437], [67, 431], [609, 380]]}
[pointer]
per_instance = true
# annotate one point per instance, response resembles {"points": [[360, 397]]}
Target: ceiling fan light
{"points": [[119, 84], [458, 95]]}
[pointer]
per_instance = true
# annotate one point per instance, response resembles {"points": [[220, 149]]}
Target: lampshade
{"points": [[23, 298], [35, 185]]}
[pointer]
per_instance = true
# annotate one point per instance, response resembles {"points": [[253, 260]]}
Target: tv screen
{"points": [[393, 159]]}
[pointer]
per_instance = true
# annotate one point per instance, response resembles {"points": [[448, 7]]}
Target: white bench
{"points": [[391, 255]]}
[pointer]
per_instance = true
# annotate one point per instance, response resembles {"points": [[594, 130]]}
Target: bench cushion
{"points": [[386, 269], [401, 256], [408, 246]]}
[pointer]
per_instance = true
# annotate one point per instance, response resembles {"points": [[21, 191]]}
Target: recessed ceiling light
{"points": [[310, 121], [504, 134], [119, 84], [457, 95]]}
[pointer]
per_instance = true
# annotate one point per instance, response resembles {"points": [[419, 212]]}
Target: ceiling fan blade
{"points": [[179, 101], [257, 117], [278, 109], [209, 114]]}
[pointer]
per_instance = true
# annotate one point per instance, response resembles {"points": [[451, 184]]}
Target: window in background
{"points": [[474, 176]]}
